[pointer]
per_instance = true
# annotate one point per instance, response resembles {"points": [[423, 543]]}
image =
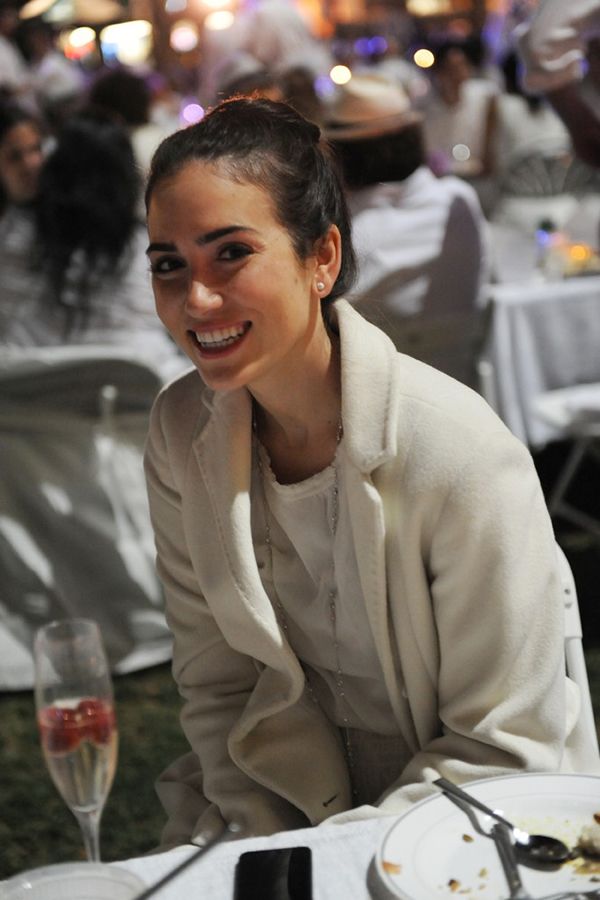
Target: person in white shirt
{"points": [[420, 240], [14, 74], [553, 45], [458, 114], [73, 265], [58, 83]]}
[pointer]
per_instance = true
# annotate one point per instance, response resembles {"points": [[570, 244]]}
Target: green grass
{"points": [[36, 828]]}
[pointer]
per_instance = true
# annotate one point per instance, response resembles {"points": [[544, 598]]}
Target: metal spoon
{"points": [[537, 849], [502, 837]]}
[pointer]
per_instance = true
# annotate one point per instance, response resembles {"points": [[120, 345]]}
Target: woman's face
{"points": [[227, 283], [21, 158]]}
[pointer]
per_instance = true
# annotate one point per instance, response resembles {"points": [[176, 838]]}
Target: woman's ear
{"points": [[328, 257]]}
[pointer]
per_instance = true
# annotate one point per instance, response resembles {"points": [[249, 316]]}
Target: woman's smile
{"points": [[217, 341]]}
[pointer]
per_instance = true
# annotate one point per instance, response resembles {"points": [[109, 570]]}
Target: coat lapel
{"points": [[269, 741], [371, 431], [242, 608]]}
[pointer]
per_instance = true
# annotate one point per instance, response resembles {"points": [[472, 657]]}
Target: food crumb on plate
{"points": [[589, 838], [468, 839], [391, 868]]}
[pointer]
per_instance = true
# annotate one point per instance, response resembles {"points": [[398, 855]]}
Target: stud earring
{"points": [[320, 286]]}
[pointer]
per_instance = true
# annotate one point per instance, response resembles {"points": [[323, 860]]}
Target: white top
{"points": [[56, 78], [463, 124], [521, 130], [552, 44], [13, 70], [304, 547], [408, 228]]}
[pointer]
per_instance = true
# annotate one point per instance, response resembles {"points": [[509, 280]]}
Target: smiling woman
{"points": [[360, 571]]}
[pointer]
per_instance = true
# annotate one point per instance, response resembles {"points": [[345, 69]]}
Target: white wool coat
{"points": [[457, 564]]}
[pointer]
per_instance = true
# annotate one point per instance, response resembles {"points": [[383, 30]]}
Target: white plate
{"points": [[73, 881], [433, 850]]}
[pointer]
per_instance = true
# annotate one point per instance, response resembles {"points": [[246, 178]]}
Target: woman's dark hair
{"points": [[269, 145], [513, 83], [387, 157], [123, 93], [86, 208], [10, 115]]}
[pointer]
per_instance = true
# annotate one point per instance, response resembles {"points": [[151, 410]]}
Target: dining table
{"points": [[342, 857], [544, 334]]}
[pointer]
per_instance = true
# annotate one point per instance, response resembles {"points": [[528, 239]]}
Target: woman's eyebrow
{"points": [[202, 240], [152, 248]]}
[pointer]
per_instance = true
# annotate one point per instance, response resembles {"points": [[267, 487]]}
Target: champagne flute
{"points": [[76, 719]]}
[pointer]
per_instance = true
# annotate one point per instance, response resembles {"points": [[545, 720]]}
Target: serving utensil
{"points": [[537, 849]]}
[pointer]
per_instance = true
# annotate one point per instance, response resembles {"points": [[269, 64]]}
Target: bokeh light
{"points": [[184, 36], [461, 152], [219, 20], [340, 74], [191, 112], [78, 43], [128, 42], [423, 58], [580, 252]]}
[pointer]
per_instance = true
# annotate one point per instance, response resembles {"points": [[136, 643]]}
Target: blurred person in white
{"points": [[524, 122], [420, 239], [21, 158], [273, 35], [14, 75], [458, 113], [58, 83], [554, 48], [73, 268]]}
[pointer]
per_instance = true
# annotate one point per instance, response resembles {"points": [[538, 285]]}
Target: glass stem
{"points": [[89, 823]]}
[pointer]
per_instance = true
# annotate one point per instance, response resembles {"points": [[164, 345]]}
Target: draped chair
{"points": [[75, 534]]}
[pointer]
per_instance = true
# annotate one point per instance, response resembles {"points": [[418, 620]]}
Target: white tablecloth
{"points": [[341, 857], [544, 335]]}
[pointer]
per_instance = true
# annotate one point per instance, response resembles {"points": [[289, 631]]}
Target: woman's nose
{"points": [[201, 298]]}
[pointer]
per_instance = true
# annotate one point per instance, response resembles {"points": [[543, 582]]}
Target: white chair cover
{"points": [[75, 534]]}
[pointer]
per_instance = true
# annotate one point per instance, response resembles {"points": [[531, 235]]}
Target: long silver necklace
{"points": [[331, 597]]}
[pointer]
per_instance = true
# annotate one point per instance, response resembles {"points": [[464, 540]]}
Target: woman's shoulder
{"points": [[186, 390], [440, 417]]}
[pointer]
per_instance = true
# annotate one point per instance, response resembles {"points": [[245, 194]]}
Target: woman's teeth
{"points": [[221, 337]]}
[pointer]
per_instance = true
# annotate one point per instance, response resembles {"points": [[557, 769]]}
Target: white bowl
{"points": [[73, 881]]}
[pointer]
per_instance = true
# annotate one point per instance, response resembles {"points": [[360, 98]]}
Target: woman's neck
{"points": [[299, 423]]}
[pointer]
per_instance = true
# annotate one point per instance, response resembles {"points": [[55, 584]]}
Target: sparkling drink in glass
{"points": [[76, 719]]}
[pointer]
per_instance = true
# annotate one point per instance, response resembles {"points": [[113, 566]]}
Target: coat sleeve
{"points": [[495, 684], [205, 788], [502, 693]]}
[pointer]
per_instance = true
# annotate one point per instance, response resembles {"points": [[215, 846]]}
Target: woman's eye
{"points": [[165, 265], [232, 252]]}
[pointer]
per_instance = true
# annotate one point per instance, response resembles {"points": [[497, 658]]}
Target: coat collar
{"points": [[369, 389], [369, 393]]}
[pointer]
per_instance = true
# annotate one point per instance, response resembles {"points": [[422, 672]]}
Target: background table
{"points": [[543, 335], [342, 855]]}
